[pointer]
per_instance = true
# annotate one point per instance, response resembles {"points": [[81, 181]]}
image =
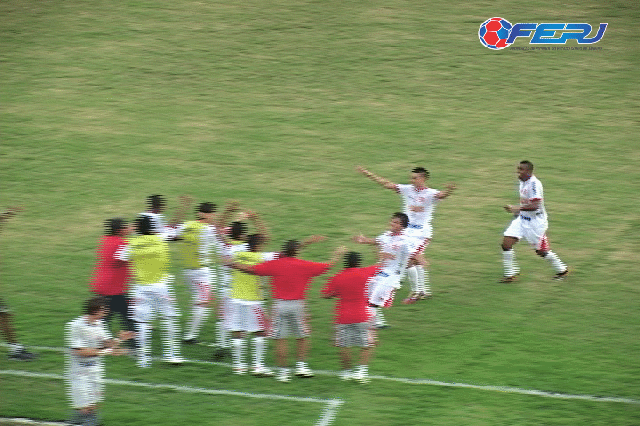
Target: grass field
{"points": [[273, 104]]}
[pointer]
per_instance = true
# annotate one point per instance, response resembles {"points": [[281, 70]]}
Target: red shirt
{"points": [[290, 276], [350, 287], [110, 276]]}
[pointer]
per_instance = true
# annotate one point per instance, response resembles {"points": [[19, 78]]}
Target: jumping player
{"points": [[530, 223], [353, 325], [419, 202], [394, 253]]}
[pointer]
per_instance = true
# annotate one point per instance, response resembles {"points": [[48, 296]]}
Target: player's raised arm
{"points": [[449, 188], [185, 202], [260, 225], [377, 179]]}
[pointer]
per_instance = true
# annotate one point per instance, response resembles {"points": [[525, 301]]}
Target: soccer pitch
{"points": [[274, 105]]}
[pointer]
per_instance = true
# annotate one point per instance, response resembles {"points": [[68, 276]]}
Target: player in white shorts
{"points": [[234, 242], [419, 203], [87, 340], [530, 223], [394, 255], [198, 245], [247, 312], [152, 292]]}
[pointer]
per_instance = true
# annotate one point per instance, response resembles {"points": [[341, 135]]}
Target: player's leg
{"points": [[281, 330], [166, 302], [510, 237], [302, 332], [222, 326], [543, 250], [237, 325], [17, 352], [142, 315], [258, 326], [200, 283]]}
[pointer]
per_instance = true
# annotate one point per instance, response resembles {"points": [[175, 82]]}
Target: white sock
{"points": [[555, 261], [509, 262], [237, 351], [14, 348], [379, 317], [259, 349], [171, 347], [143, 336], [222, 335], [423, 280], [199, 315], [412, 274], [363, 368]]}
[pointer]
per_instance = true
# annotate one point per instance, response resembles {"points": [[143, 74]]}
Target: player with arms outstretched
{"points": [[419, 203]]}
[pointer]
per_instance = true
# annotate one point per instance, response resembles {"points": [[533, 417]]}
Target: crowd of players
{"points": [[218, 255]]}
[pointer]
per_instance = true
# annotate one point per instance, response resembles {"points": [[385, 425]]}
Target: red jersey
{"points": [[290, 276], [110, 276], [351, 288]]}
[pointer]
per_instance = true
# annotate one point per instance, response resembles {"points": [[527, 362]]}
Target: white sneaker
{"points": [[303, 371], [174, 360], [239, 369], [361, 377], [346, 375], [283, 376], [262, 371]]}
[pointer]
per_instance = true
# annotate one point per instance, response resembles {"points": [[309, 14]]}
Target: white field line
{"points": [[328, 413], [503, 389]]}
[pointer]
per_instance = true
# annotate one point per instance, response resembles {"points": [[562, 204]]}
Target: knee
{"points": [[541, 253], [506, 246]]}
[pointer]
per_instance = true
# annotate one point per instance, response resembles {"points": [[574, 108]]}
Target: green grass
{"points": [[274, 104]]}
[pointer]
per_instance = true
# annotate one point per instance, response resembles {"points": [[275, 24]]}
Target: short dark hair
{"points": [[206, 208], [290, 248], [95, 304], [404, 219], [115, 225], [352, 259], [156, 202], [238, 229], [528, 164], [424, 172], [254, 241], [144, 225]]}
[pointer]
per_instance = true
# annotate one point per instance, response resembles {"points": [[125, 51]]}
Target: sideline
{"points": [[503, 389]]}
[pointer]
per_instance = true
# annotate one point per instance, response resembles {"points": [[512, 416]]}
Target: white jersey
{"points": [[80, 334], [159, 224], [531, 190], [396, 245], [425, 198]]}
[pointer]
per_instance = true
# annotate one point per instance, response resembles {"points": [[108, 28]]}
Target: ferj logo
{"points": [[498, 33]]}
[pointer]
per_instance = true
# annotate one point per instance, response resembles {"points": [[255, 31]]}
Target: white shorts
{"points": [[533, 230], [199, 281], [247, 315], [86, 386], [383, 288], [419, 238], [151, 299], [290, 319]]}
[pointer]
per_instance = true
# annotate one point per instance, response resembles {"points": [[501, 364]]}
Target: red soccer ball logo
{"points": [[494, 33]]}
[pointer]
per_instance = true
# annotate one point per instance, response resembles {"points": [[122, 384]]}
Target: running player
{"points": [[353, 325], [394, 253], [153, 291], [419, 203], [87, 341], [530, 223], [198, 245]]}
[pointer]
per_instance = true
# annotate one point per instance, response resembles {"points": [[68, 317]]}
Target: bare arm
{"points": [[377, 179], [222, 220], [531, 206], [260, 225], [337, 255], [449, 188], [361, 239], [185, 203], [311, 240]]}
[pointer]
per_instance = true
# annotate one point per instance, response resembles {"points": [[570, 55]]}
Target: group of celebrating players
{"points": [[218, 255]]}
